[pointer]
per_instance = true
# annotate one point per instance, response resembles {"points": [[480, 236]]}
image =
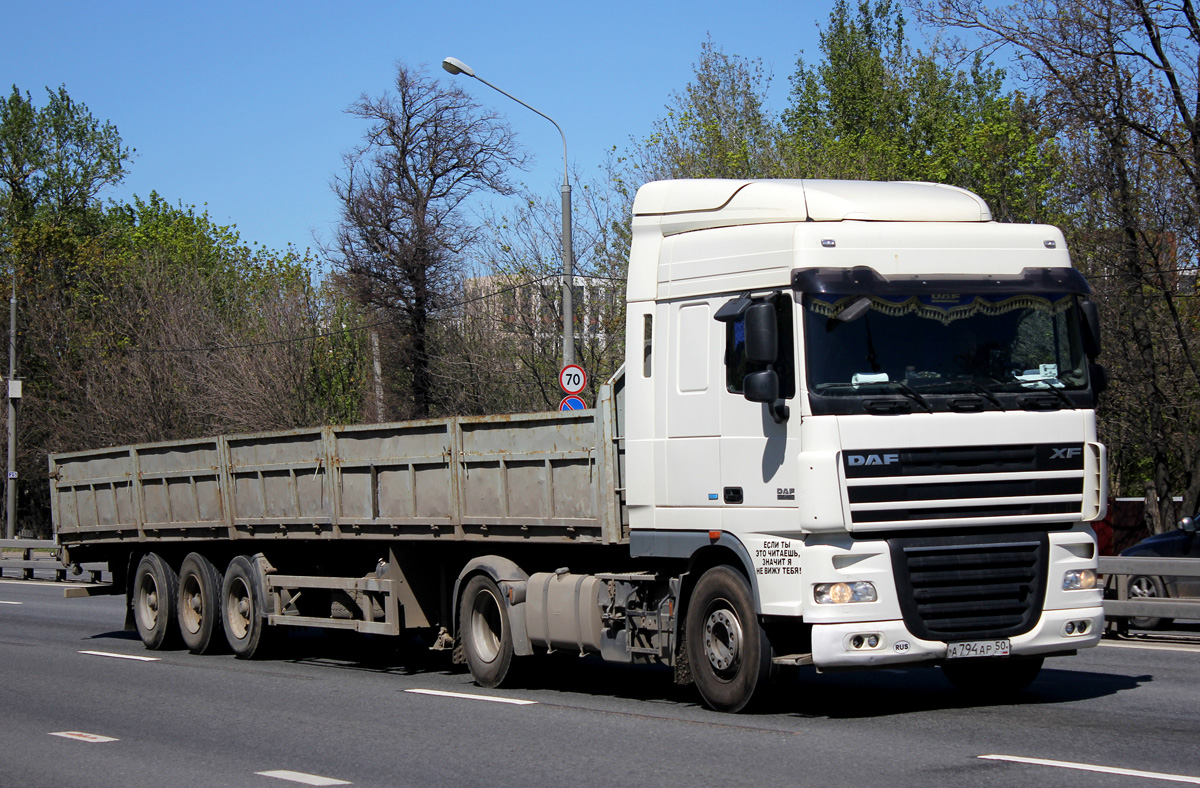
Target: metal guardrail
{"points": [[47, 562], [1118, 570]]}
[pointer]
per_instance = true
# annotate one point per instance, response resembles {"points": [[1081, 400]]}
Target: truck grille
{"points": [[1035, 483], [967, 587]]}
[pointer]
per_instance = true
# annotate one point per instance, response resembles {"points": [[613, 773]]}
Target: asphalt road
{"points": [[75, 710]]}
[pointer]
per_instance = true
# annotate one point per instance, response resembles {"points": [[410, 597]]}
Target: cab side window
{"points": [[737, 366]]}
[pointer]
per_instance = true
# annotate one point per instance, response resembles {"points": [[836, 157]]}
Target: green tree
{"points": [[54, 160], [718, 127], [873, 109]]}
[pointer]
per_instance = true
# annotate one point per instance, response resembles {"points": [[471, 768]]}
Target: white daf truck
{"points": [[855, 429]]}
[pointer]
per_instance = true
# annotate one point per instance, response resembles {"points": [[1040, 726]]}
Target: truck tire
{"points": [[485, 632], [155, 586], [992, 677], [242, 609], [200, 604], [728, 650]]}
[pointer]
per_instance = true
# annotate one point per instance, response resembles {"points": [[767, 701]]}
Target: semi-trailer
{"points": [[855, 428]]}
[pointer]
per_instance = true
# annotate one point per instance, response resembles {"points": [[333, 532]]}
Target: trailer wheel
{"points": [[485, 631], [199, 604], [992, 677], [242, 609], [728, 650], [155, 586]]}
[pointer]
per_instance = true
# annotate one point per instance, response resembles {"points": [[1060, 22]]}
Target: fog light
{"points": [[1079, 580], [873, 641], [1076, 628], [857, 641], [842, 593]]}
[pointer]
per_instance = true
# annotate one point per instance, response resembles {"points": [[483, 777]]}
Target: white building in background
{"points": [[515, 304]]}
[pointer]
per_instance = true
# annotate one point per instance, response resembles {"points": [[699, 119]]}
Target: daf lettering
{"points": [[872, 459], [1066, 453]]}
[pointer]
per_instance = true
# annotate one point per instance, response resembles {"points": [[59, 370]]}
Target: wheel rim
{"points": [[147, 602], [723, 638], [238, 607], [1142, 587], [192, 612], [487, 626]]}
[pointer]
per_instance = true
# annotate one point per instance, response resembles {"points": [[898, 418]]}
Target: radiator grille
{"points": [[963, 588], [1038, 483]]}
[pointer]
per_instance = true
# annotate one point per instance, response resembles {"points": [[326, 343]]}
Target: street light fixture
{"points": [[456, 66]]}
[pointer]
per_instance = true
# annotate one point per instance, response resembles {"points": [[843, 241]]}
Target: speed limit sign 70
{"points": [[572, 378]]}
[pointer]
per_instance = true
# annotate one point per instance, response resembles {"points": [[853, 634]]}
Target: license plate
{"points": [[977, 648]]}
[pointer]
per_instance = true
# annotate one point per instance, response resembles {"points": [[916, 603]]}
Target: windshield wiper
{"points": [[909, 392]]}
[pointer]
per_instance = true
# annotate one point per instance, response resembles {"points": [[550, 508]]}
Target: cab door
{"points": [[759, 446]]}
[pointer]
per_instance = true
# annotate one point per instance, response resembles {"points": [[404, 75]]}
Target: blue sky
{"points": [[239, 108]]}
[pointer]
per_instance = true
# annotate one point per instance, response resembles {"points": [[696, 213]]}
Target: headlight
{"points": [[1079, 580], [841, 593]]}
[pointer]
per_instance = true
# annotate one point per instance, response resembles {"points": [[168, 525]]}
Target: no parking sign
{"points": [[572, 402]]}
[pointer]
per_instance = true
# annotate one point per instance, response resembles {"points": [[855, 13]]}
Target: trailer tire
{"points": [[155, 586], [485, 632], [242, 609], [992, 677], [199, 608], [728, 650]]}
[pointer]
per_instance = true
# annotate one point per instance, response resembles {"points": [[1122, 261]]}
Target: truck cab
{"points": [[879, 404]]}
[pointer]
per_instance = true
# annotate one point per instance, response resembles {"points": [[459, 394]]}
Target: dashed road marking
{"points": [[2, 602], [90, 738], [301, 777], [465, 696], [1088, 767], [133, 657]]}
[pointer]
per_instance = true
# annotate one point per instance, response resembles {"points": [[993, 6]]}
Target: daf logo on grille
{"points": [[1065, 453], [872, 459]]}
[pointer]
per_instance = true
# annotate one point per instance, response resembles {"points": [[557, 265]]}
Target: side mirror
{"points": [[763, 386], [1099, 376], [1188, 524], [1091, 328], [762, 337]]}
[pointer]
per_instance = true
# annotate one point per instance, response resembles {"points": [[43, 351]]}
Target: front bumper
{"points": [[834, 645]]}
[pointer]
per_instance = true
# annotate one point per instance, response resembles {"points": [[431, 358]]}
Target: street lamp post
{"points": [[456, 66]]}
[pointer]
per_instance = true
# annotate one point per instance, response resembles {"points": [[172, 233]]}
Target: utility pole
{"points": [[14, 394]]}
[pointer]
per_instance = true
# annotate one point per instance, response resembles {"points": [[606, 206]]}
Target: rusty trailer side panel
{"points": [[543, 477]]}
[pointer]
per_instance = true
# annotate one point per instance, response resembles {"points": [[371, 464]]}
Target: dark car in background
{"points": [[1183, 542]]}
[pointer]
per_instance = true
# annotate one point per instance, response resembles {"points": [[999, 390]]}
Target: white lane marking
{"points": [[91, 738], [120, 656], [1087, 767], [301, 777], [464, 696], [10, 603], [1153, 647]]}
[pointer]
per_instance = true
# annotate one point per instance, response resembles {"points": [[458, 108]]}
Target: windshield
{"points": [[942, 343]]}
